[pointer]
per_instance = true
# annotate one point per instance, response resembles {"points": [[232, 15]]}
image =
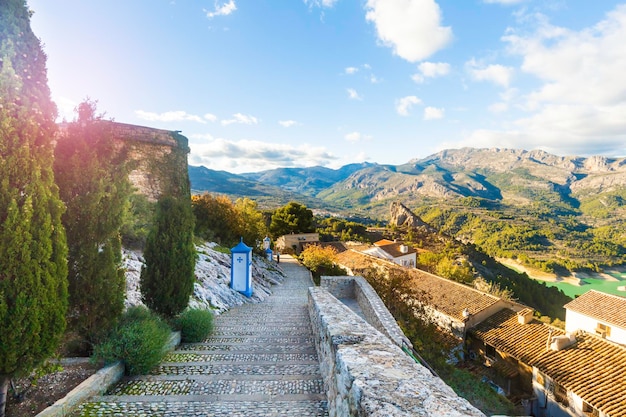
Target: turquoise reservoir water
{"points": [[593, 284]]}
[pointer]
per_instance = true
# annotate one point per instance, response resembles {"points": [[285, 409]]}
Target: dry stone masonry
{"points": [[367, 375]]}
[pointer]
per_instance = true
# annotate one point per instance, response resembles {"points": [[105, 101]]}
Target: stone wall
{"points": [[372, 307], [365, 374], [158, 158]]}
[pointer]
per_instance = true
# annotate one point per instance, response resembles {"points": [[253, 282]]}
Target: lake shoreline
{"points": [[577, 279]]}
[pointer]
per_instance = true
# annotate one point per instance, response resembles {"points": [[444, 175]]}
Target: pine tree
{"points": [[292, 218], [91, 171], [33, 250], [167, 277]]}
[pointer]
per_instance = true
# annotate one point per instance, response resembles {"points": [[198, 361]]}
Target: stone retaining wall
{"points": [[365, 374], [371, 305]]}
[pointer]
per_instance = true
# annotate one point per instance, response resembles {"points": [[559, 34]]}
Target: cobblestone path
{"points": [[260, 361]]}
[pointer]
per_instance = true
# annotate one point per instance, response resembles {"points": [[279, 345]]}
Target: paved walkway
{"points": [[260, 361]]}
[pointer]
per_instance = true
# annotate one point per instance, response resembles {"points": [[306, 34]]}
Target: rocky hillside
{"points": [[212, 288], [555, 213], [510, 176], [504, 175]]}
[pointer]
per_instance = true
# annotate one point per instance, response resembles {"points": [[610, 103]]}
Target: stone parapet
{"points": [[371, 305], [365, 374]]}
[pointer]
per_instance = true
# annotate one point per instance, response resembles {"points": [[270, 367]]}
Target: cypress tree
{"points": [[33, 250], [167, 277], [91, 171]]}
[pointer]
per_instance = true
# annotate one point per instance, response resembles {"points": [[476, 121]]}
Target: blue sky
{"points": [[261, 84]]}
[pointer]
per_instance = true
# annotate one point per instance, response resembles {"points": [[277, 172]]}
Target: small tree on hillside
{"points": [[33, 250], [321, 260], [253, 226], [216, 218], [167, 277], [93, 180], [292, 218]]}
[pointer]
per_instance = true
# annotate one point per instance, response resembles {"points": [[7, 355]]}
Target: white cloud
{"points": [[351, 70], [353, 94], [412, 28], [505, 2], [320, 3], [241, 119], [404, 104], [499, 107], [210, 117], [433, 113], [580, 103], [223, 10], [288, 123], [576, 67], [253, 155], [431, 70], [495, 73], [170, 116], [356, 137]]}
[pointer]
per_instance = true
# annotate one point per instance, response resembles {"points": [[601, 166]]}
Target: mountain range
{"points": [[554, 213], [508, 176]]}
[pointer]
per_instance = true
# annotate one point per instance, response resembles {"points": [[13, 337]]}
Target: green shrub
{"points": [[195, 325], [138, 340]]}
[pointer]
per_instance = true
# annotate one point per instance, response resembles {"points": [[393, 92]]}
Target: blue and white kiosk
{"points": [[266, 245], [241, 269]]}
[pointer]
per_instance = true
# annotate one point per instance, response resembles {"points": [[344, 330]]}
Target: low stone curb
{"points": [[95, 385]]}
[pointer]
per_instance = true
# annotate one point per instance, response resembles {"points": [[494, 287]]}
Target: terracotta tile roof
{"points": [[525, 342], [593, 368], [394, 249], [383, 242], [339, 246], [447, 296], [601, 306]]}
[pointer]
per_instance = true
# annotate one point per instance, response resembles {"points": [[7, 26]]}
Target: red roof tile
{"points": [[446, 296], [593, 368]]}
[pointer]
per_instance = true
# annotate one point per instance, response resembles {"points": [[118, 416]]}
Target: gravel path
{"points": [[260, 361]]}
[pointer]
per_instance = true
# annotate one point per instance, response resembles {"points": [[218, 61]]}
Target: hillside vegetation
{"points": [[558, 214]]}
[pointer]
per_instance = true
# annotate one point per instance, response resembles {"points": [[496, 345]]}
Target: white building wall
{"points": [[575, 321], [407, 260]]}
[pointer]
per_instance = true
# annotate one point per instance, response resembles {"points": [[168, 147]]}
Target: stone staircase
{"points": [[260, 361]]}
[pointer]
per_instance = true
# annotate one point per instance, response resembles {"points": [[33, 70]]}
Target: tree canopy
{"points": [[168, 276], [33, 250], [292, 218], [91, 171]]}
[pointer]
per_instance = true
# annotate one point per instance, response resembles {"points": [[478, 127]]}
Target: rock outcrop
{"points": [[401, 216]]}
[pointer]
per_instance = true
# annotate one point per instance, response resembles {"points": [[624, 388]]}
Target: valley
{"points": [[558, 215]]}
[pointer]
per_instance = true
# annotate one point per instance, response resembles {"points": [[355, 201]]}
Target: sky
{"points": [[262, 84]]}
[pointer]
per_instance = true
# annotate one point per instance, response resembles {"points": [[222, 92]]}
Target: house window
{"points": [[540, 379], [603, 330], [490, 351], [590, 410], [560, 394]]}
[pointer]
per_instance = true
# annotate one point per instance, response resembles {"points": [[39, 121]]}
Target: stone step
{"points": [[263, 339], [259, 361], [240, 407], [284, 327], [239, 357], [271, 385], [253, 332], [265, 318], [230, 368], [247, 348]]}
